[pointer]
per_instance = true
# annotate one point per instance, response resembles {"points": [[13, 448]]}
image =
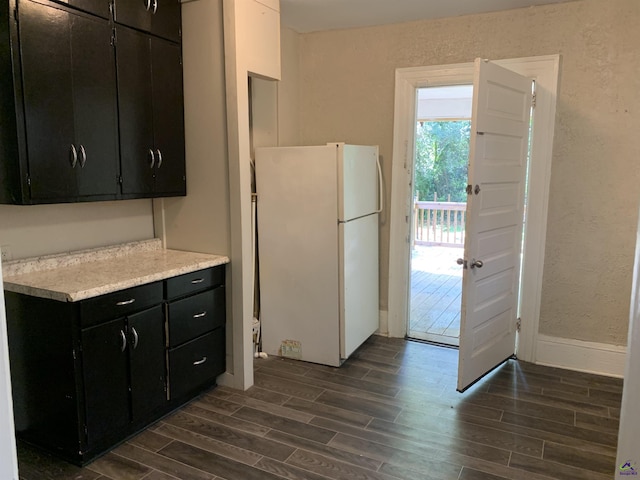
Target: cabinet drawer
{"points": [[119, 304], [194, 282], [195, 315], [196, 364]]}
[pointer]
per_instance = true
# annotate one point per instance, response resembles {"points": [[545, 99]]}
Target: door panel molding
{"points": [[544, 70]]}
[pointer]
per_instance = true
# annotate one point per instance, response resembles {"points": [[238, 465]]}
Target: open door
{"points": [[497, 174]]}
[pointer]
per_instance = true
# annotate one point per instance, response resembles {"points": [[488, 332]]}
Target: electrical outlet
{"points": [[5, 253]]}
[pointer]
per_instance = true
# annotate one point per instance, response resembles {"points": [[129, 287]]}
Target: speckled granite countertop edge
{"points": [[90, 273]]}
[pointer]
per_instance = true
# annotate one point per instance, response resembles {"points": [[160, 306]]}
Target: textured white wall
{"points": [[346, 94]]}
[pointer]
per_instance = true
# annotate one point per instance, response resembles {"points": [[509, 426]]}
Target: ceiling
{"points": [[306, 16]]}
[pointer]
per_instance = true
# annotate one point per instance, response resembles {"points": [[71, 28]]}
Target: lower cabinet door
{"points": [[147, 351], [106, 382], [196, 363]]}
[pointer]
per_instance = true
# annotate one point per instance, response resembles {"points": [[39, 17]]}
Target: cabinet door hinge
{"points": [[15, 13], [119, 179], [113, 37], [28, 180], [518, 324]]}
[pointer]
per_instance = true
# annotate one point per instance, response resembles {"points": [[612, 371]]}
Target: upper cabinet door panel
{"points": [[137, 153], [160, 17], [95, 106], [97, 7], [48, 100], [168, 117]]}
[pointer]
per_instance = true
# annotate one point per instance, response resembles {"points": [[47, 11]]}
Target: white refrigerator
{"points": [[318, 210]]}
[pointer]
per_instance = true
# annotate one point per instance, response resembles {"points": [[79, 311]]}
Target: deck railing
{"points": [[439, 223]]}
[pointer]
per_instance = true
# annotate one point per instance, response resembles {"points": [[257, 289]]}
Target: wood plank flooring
{"points": [[390, 412], [436, 294]]}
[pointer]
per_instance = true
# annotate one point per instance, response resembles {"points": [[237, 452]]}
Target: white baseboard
{"points": [[589, 357]]}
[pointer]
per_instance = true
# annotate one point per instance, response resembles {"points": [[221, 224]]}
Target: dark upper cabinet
{"points": [[79, 92], [97, 7], [69, 98], [159, 17], [150, 100]]}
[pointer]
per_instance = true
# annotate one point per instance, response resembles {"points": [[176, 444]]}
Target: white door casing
{"points": [[498, 153], [544, 70]]}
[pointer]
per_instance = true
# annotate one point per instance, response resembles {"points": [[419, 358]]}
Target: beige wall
{"points": [[346, 94], [43, 229], [200, 221]]}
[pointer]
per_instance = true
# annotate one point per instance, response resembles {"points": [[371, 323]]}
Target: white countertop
{"points": [[85, 274]]}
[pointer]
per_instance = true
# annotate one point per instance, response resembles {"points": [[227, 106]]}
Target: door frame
{"points": [[545, 71]]}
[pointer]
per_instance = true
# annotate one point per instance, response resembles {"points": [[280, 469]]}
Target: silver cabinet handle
{"points": [[153, 158], [123, 337], [155, 6], [197, 280], [200, 362], [147, 5], [83, 156], [159, 158], [200, 315], [73, 156], [135, 337], [126, 302]]}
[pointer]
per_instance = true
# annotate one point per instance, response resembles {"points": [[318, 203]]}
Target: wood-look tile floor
{"points": [[390, 412]]}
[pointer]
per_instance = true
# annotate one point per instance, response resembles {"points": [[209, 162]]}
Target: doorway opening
{"points": [[443, 126]]}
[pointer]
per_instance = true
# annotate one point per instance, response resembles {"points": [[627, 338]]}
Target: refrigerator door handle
{"points": [[380, 189]]}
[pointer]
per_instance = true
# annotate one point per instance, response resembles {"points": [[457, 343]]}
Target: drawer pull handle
{"points": [[197, 280], [123, 337], [126, 302], [200, 362], [200, 315]]}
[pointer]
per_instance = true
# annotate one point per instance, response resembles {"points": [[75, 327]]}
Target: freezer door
{"points": [[357, 180], [359, 305], [298, 252]]}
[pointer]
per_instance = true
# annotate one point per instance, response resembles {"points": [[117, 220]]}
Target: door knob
{"points": [[462, 261], [476, 263]]}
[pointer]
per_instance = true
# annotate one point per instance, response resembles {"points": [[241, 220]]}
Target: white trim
{"points": [[545, 71], [589, 357]]}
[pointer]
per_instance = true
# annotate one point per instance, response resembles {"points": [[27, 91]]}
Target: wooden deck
{"points": [[436, 292]]}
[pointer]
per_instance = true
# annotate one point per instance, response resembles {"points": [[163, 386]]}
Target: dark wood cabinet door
{"points": [[166, 21], [135, 104], [95, 106], [48, 100], [168, 117], [106, 381], [160, 17], [147, 353], [97, 7]]}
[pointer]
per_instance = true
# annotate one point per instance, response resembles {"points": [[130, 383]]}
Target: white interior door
{"points": [[497, 175]]}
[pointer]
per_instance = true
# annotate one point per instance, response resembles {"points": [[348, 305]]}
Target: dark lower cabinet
{"points": [[87, 375]]}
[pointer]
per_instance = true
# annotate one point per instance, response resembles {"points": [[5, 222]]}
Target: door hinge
{"points": [[119, 179], [518, 324], [28, 180], [15, 14], [534, 98], [113, 37], [480, 133], [73, 352]]}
